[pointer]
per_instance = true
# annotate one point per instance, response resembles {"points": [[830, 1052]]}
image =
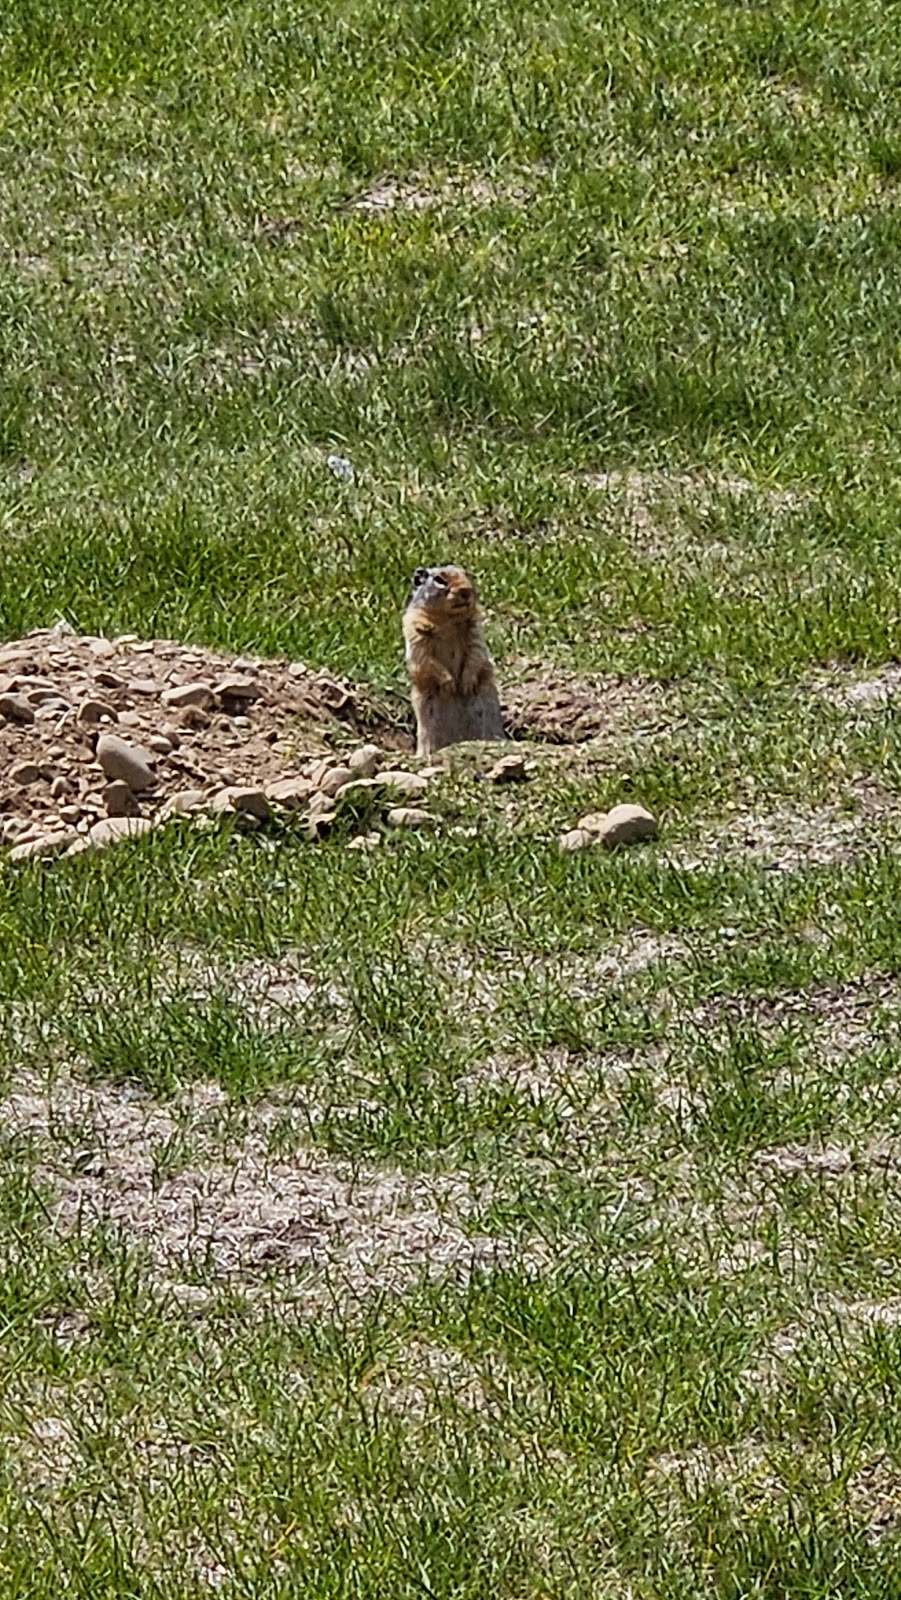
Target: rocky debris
{"points": [[562, 708], [410, 817], [119, 800], [510, 769], [124, 761], [178, 732], [576, 839]]}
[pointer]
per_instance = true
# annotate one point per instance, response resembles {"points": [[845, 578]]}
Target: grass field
{"points": [[465, 1219]]}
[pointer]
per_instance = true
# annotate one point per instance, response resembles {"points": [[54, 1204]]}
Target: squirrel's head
{"points": [[446, 591]]}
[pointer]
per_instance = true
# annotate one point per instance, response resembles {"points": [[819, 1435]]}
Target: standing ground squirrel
{"points": [[452, 676]]}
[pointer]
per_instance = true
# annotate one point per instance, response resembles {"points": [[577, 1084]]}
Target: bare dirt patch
{"points": [[202, 1201], [854, 693], [645, 492], [423, 194], [561, 707], [793, 838]]}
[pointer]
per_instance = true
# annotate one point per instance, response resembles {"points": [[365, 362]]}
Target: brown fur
{"points": [[452, 680]]}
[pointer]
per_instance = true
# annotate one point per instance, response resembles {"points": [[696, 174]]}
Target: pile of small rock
{"points": [[102, 739]]}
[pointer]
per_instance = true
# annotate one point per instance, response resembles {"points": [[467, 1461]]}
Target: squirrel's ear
{"points": [[420, 576]]}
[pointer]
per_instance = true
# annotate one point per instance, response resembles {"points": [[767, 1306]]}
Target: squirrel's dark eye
{"points": [[440, 578]]}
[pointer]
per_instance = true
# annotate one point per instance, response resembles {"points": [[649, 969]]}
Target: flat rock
{"points": [[184, 802], [234, 689], [365, 762], [360, 787], [110, 829], [576, 839], [119, 800], [24, 773], [44, 694], [47, 844], [92, 711], [129, 762], [322, 805], [15, 708], [510, 769], [248, 802], [160, 745], [333, 780], [188, 694], [410, 817], [626, 824], [292, 793], [411, 784]]}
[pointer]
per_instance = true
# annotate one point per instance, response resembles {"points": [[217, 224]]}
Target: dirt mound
{"points": [[205, 720], [561, 708]]}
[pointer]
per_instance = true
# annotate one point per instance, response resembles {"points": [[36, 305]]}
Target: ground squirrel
{"points": [[452, 676]]}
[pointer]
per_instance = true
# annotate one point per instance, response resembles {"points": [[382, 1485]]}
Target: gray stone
{"points": [[627, 824], [334, 779], [92, 711], [144, 686], [236, 691], [160, 745], [24, 773], [576, 839], [188, 694], [322, 805], [47, 844], [510, 769], [292, 793], [119, 800], [15, 708], [110, 829], [129, 762], [248, 802], [411, 784], [410, 817], [184, 802], [365, 762]]}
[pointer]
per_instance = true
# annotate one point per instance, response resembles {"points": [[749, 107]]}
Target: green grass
{"points": [[463, 1218]]}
